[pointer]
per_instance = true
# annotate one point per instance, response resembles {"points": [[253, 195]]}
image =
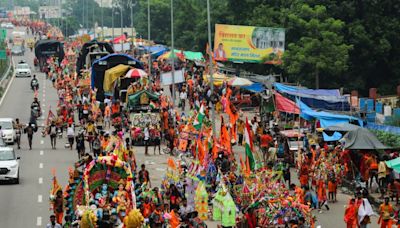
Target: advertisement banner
{"points": [[47, 12], [249, 44]]}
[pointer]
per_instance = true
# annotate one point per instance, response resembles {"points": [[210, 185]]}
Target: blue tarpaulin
{"points": [[255, 88], [156, 50], [326, 118], [329, 99]]}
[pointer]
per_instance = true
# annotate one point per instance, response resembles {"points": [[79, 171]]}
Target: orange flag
{"points": [[200, 149], [248, 170], [241, 163], [225, 138], [214, 148]]}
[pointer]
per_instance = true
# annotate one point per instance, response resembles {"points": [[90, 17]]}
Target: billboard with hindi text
{"points": [[249, 44]]}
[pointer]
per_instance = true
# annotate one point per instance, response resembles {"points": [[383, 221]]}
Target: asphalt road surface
{"points": [[27, 205]]}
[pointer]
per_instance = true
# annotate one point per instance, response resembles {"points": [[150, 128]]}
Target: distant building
{"points": [[104, 3]]}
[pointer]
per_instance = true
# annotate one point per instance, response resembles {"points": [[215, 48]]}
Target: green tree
{"points": [[319, 48]]}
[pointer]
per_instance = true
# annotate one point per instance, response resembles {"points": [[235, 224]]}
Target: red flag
{"points": [[50, 117]]}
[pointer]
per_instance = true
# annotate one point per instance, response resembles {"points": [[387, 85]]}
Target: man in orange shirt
{"points": [[385, 212], [265, 140]]}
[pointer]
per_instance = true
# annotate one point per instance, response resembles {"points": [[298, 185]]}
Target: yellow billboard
{"points": [[249, 44]]}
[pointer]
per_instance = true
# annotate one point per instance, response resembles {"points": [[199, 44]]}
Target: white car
{"points": [[23, 70], [9, 165], [7, 129]]}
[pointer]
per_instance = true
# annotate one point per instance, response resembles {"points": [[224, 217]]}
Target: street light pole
{"points": [[173, 62], [173, 54], [122, 29], [102, 20], [132, 24], [148, 33], [211, 66], [112, 22]]}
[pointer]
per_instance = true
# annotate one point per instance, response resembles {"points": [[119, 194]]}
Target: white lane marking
{"points": [[39, 198], [39, 221], [44, 105], [44, 100], [8, 87], [40, 180], [41, 142], [41, 164], [41, 152]]}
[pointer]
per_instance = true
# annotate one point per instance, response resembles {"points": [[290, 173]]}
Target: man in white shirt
{"points": [[183, 97], [146, 139], [53, 223]]}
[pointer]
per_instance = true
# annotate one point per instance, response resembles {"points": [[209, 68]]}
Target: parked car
{"points": [[9, 165], [7, 128]]}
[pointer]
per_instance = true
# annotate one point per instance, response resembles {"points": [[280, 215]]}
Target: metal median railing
{"points": [[6, 76]]}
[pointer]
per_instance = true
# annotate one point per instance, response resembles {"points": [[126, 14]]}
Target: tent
{"points": [[112, 74], [134, 100], [362, 139], [394, 164], [329, 99]]}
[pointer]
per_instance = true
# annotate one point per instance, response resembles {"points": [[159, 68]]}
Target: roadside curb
{"points": [[6, 80]]}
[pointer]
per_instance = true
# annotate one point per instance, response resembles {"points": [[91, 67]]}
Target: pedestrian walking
{"points": [[30, 130], [146, 139], [53, 223], [70, 135], [18, 131], [52, 131]]}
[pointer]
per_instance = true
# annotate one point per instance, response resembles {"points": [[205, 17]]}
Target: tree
{"points": [[319, 48]]}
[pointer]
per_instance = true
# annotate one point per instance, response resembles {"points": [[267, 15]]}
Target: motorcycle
{"points": [[34, 85], [35, 111]]}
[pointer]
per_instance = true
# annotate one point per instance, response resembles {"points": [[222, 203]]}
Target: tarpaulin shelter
{"points": [[335, 132], [193, 56], [255, 88], [342, 127], [88, 47], [326, 118], [46, 48], [134, 100], [100, 66], [328, 99], [284, 104], [394, 164], [362, 139], [155, 50], [112, 74]]}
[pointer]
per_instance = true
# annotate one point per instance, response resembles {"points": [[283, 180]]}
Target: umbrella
{"points": [[168, 55], [136, 73], [237, 81]]}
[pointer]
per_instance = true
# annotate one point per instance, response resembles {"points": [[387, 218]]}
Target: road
{"points": [[26, 205]]}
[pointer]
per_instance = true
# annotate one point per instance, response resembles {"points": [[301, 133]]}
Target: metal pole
{"points": [[149, 33], [112, 21], [173, 60], [122, 29], [132, 24], [102, 20], [211, 66]]}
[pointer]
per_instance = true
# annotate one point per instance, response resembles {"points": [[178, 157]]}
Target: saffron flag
{"points": [[249, 145]]}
